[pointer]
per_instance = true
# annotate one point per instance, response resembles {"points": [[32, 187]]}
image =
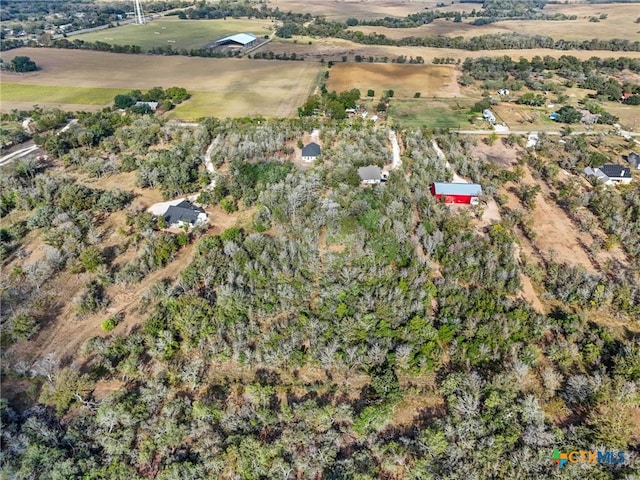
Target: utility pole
{"points": [[139, 13]]}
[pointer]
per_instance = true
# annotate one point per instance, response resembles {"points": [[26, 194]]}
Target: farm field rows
{"points": [[405, 80], [221, 87], [441, 103], [171, 31]]}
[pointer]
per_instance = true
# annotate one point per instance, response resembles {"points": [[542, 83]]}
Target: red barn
{"points": [[457, 192]]}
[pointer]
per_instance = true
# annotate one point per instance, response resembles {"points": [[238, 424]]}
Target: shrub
{"points": [[110, 323]]}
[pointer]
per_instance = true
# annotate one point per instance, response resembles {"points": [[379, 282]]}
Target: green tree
{"points": [[123, 101], [23, 64], [91, 258], [568, 114], [336, 110]]}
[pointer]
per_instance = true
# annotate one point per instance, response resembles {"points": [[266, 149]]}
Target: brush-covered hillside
{"points": [[314, 327]]}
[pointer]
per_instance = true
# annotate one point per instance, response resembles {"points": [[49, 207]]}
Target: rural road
{"points": [[456, 178], [527, 132], [209, 164], [30, 146], [23, 152], [395, 149]]}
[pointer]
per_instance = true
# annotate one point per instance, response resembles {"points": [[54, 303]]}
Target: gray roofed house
{"points": [[152, 105], [634, 160], [310, 152], [185, 213], [488, 115], [372, 174], [610, 174]]}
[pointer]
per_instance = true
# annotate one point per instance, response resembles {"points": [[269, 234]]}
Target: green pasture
{"points": [[20, 92], [430, 113], [177, 33]]}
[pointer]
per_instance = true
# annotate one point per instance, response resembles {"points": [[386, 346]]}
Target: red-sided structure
{"points": [[466, 193]]}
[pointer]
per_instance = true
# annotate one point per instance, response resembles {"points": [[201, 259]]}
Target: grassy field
{"points": [[404, 80], [15, 92], [177, 33], [343, 9], [220, 87], [620, 23], [430, 113]]}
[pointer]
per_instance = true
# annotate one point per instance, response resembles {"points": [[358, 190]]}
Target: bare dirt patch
{"points": [[104, 388], [416, 409], [499, 153], [404, 80], [557, 238]]}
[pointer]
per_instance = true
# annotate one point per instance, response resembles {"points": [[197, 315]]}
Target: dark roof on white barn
{"points": [[311, 150], [183, 212], [615, 171]]}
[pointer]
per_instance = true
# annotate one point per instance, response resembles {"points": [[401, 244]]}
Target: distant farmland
{"points": [[220, 87], [404, 80], [177, 33], [620, 23]]}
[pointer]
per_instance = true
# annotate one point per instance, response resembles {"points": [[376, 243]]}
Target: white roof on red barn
{"points": [[457, 189]]}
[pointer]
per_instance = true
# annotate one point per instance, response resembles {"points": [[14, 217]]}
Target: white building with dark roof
{"points": [[372, 174], [179, 212], [610, 174], [185, 213], [310, 152]]}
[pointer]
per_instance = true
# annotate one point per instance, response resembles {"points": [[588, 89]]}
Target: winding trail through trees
{"points": [[23, 152], [456, 178], [395, 150], [208, 164]]}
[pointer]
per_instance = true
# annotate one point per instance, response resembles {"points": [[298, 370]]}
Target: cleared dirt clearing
{"points": [[404, 80]]}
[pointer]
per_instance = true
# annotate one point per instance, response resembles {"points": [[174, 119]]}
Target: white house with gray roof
{"points": [[610, 174], [372, 174]]}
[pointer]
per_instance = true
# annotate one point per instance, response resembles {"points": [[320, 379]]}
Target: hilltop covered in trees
{"points": [[340, 332]]}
